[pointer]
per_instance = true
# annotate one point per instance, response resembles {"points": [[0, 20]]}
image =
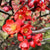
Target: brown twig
{"points": [[43, 15], [5, 12], [11, 6], [46, 39], [43, 30]]}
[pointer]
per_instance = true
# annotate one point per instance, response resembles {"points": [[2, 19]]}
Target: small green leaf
{"points": [[4, 35]]}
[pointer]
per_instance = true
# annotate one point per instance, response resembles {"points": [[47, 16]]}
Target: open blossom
{"points": [[30, 4], [38, 39], [24, 45], [43, 6], [25, 21], [11, 27], [26, 30], [19, 15], [6, 9], [28, 14]]}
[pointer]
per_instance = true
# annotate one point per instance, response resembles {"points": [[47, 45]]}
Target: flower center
{"points": [[43, 5], [25, 30], [20, 17], [13, 27], [27, 13]]}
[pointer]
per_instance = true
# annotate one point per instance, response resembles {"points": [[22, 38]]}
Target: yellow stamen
{"points": [[20, 17], [27, 13], [25, 30], [13, 27]]}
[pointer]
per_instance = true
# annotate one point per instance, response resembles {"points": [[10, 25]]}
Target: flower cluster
{"points": [[37, 4], [36, 40], [22, 29]]}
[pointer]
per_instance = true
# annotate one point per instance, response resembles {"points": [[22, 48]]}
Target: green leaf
{"points": [[4, 35]]}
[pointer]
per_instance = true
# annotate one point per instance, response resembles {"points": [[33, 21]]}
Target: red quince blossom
{"points": [[11, 27], [28, 14], [32, 44], [20, 16], [20, 37], [10, 8], [22, 1], [38, 39], [26, 29], [36, 1], [24, 45], [21, 22], [34, 18], [5, 8], [38, 9], [24, 8], [30, 4], [43, 6]]}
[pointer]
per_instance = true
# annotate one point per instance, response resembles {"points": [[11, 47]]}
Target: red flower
{"points": [[43, 6], [5, 8], [28, 14], [20, 22], [10, 7], [34, 18], [38, 39], [11, 27], [20, 37], [24, 8], [32, 44], [36, 1], [20, 16], [38, 9], [26, 30], [22, 1], [30, 4], [24, 45]]}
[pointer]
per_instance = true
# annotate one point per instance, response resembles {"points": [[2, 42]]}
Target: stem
{"points": [[11, 6], [0, 2], [43, 15], [46, 39], [5, 12], [43, 30]]}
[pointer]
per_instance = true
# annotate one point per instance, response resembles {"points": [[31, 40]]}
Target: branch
{"points": [[0, 2], [5, 12], [43, 15], [46, 39], [11, 6], [43, 30]]}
